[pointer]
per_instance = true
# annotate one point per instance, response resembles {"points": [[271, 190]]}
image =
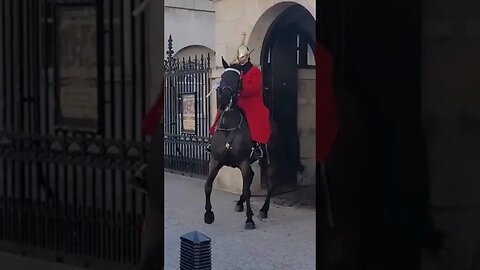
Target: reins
{"points": [[228, 108]]}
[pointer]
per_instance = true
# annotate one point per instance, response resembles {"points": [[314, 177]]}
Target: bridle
{"points": [[230, 104]]}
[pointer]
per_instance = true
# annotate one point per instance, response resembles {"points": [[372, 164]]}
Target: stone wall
{"points": [[190, 22], [250, 16], [306, 124]]}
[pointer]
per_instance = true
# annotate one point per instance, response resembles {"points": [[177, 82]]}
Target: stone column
{"points": [[307, 124]]}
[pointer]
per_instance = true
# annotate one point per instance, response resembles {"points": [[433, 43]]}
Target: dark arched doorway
{"points": [[286, 49]]}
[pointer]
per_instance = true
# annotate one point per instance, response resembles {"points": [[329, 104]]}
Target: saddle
{"points": [[258, 150]]}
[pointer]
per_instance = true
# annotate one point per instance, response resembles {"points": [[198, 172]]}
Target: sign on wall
{"points": [[189, 123], [76, 72]]}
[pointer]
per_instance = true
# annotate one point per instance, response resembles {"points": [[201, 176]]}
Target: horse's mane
{"points": [[236, 66]]}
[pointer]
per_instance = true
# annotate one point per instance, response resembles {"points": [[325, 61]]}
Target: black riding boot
{"points": [[257, 151]]}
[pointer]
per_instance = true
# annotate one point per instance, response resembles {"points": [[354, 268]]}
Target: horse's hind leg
{"points": [[214, 168], [270, 187], [239, 205], [247, 175]]}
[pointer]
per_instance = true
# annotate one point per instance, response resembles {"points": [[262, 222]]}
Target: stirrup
{"points": [[256, 148]]}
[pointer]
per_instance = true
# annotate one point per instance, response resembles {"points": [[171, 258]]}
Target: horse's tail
{"points": [[274, 143], [274, 128]]}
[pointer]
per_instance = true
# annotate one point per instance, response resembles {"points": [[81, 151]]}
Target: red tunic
{"points": [[327, 119], [154, 115], [251, 102]]}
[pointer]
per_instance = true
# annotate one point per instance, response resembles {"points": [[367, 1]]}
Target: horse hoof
{"points": [[209, 217], [249, 225], [263, 215], [239, 208]]}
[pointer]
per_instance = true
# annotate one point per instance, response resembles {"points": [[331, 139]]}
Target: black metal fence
{"points": [[187, 113], [72, 94]]}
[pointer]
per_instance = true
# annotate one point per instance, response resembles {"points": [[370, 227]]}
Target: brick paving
{"points": [[285, 241]]}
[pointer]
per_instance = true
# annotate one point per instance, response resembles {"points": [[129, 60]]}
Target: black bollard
{"points": [[195, 252]]}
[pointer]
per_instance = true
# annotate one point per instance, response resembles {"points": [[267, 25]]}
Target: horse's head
{"points": [[230, 86]]}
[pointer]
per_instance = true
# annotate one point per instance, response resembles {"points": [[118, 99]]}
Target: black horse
{"points": [[231, 146]]}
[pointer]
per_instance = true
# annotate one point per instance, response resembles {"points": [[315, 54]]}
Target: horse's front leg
{"points": [[213, 169], [247, 175]]}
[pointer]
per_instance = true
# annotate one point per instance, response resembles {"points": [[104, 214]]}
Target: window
{"points": [[304, 51], [305, 55]]}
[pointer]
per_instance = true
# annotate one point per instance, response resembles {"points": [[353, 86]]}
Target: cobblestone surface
{"points": [[285, 241]]}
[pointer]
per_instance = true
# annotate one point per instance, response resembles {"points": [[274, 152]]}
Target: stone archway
{"points": [[286, 56], [268, 18], [192, 51]]}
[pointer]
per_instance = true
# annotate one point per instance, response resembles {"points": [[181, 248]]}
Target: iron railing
{"points": [[186, 138], [63, 180]]}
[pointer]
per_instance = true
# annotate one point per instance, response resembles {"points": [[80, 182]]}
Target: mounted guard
{"points": [[251, 102]]}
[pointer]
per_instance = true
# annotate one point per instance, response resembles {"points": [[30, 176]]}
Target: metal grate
{"points": [[63, 190]]}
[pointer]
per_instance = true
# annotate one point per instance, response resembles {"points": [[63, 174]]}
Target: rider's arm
{"points": [[252, 84]]}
